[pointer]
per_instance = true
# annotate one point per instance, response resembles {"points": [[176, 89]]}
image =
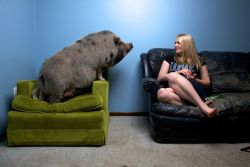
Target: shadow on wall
{"points": [[142, 94]]}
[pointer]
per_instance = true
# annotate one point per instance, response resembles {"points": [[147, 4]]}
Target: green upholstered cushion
{"points": [[73, 120], [86, 102]]}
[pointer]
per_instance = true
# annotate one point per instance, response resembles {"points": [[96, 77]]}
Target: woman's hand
{"points": [[188, 74], [192, 77]]}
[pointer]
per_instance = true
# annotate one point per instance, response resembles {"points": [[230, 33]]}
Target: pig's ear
{"points": [[116, 40]]}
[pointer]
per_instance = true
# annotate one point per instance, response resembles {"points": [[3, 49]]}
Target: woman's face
{"points": [[178, 47]]}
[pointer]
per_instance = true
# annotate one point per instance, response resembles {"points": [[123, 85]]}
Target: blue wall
{"points": [[17, 56], [32, 30]]}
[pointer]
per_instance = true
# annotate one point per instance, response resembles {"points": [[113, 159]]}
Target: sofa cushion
{"points": [[27, 104], [229, 105]]}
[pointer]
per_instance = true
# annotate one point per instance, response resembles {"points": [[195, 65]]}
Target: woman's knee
{"points": [[171, 77], [163, 95]]}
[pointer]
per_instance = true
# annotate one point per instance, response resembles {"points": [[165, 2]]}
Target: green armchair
{"points": [[82, 120]]}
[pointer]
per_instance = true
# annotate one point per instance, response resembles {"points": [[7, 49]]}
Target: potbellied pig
{"points": [[79, 64]]}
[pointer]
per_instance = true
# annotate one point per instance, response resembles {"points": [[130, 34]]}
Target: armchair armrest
{"points": [[25, 87], [102, 88]]}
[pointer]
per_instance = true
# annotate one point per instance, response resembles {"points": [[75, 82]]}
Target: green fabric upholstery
{"points": [[82, 120], [57, 137], [75, 120], [80, 103], [25, 87]]}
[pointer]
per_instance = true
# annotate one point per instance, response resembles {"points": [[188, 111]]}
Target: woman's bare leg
{"points": [[167, 95], [185, 90]]}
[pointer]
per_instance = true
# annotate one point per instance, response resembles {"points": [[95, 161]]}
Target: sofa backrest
{"points": [[156, 56], [228, 71]]}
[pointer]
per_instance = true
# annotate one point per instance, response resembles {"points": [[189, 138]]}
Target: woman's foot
{"points": [[210, 112]]}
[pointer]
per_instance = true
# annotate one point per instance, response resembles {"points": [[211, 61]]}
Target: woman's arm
{"points": [[163, 71], [205, 80], [162, 76]]}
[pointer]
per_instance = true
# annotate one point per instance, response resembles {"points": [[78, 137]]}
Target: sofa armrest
{"points": [[145, 65], [150, 84], [102, 88], [25, 87]]}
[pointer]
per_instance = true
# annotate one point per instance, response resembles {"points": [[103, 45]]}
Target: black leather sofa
{"points": [[230, 85]]}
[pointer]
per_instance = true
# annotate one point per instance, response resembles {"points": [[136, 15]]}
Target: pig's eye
{"points": [[116, 40], [120, 43]]}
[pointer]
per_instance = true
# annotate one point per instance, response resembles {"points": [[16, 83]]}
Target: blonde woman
{"points": [[187, 77]]}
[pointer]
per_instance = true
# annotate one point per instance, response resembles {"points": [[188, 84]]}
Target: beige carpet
{"points": [[129, 145]]}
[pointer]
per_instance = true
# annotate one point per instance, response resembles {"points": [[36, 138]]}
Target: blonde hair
{"points": [[189, 54]]}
